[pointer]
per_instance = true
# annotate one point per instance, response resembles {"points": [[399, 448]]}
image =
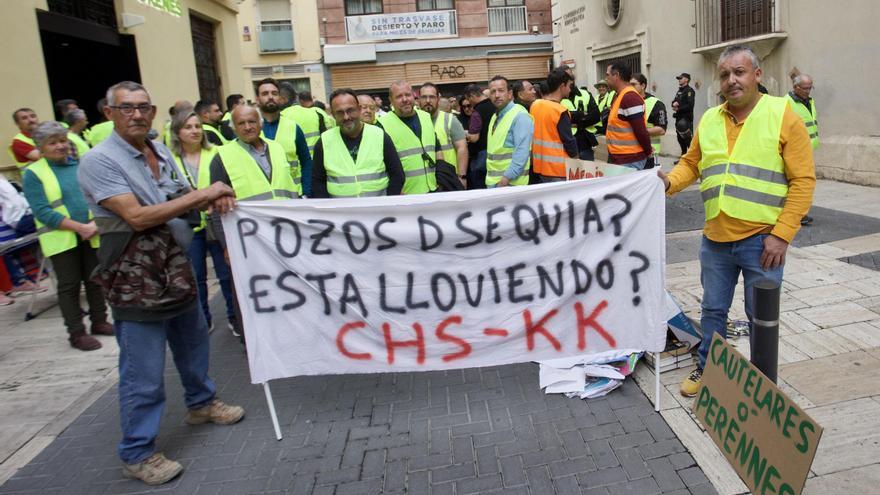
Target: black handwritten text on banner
{"points": [[451, 280]]}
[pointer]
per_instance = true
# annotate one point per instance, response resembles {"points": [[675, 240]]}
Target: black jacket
{"points": [[685, 98]]}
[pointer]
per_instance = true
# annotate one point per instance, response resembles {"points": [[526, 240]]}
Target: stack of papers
{"points": [[587, 376]]}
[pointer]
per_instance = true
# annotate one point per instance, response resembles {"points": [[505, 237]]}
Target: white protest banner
{"points": [[588, 169], [451, 280]]}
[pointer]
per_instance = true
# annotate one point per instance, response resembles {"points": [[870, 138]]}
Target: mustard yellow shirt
{"points": [[797, 154]]}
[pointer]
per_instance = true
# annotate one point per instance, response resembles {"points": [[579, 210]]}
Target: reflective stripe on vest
{"points": [[204, 175], [347, 178], [649, 107], [498, 156], [619, 135], [308, 119], [749, 183], [285, 135], [419, 172], [24, 139], [572, 106], [808, 115], [54, 241], [247, 178], [548, 153], [443, 128]]}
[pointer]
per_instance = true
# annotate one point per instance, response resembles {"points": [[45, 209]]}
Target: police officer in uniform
{"points": [[683, 111]]}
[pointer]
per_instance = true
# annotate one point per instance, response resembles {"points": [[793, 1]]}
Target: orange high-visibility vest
{"points": [[548, 154], [619, 134]]}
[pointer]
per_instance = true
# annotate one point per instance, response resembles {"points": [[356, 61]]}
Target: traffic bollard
{"points": [[764, 341]]}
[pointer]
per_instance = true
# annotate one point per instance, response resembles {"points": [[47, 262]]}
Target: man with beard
{"points": [[285, 132], [354, 160], [450, 133]]}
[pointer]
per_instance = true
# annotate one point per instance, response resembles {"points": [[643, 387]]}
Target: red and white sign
{"points": [[452, 280]]}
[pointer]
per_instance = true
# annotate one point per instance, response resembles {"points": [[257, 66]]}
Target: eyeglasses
{"points": [[128, 110]]}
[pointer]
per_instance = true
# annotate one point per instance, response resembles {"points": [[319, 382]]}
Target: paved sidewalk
{"points": [[478, 430], [829, 349]]}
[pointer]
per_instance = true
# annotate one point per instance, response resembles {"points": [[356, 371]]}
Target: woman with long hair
{"points": [[193, 154]]}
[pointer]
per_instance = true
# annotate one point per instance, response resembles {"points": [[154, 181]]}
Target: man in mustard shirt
{"points": [[753, 157]]}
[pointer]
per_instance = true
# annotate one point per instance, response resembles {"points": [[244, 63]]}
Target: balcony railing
{"points": [[276, 37], [719, 21], [507, 20]]}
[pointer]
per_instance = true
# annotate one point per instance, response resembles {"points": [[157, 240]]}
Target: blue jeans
{"points": [[720, 266], [639, 165], [141, 375], [198, 252]]}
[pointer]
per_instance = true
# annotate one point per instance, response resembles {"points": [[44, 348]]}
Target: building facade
{"points": [[372, 43], [179, 49], [836, 46], [280, 39]]}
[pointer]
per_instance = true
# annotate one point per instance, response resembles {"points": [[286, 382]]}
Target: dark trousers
{"points": [[477, 171], [684, 132], [74, 268]]}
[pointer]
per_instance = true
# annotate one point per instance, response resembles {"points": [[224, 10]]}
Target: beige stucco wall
{"points": [[164, 48], [836, 46], [22, 71], [306, 42]]}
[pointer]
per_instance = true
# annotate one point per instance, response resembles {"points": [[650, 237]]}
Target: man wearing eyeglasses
{"points": [[138, 195], [803, 105]]}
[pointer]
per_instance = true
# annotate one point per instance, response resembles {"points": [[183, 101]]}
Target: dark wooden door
{"points": [[205, 52]]}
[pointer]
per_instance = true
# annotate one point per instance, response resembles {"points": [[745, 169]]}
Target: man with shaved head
{"points": [[753, 158], [412, 132]]}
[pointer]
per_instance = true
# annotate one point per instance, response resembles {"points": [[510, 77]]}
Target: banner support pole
{"points": [[657, 381], [271, 403]]}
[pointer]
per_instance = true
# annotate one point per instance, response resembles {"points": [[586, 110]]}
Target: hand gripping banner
{"points": [[452, 280]]}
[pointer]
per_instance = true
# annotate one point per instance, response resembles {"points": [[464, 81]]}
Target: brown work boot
{"points": [[104, 328], [154, 470], [215, 412], [83, 341]]}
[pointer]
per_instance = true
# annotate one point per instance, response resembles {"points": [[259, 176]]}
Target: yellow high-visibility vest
{"points": [[749, 183]]}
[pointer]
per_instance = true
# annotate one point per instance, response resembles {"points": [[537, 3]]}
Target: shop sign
{"points": [[448, 71], [378, 27]]}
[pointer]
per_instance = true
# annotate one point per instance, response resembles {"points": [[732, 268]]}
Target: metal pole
{"points": [[764, 340], [657, 381], [271, 404]]}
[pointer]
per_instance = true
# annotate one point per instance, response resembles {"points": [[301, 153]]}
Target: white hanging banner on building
{"points": [[452, 280], [431, 24]]}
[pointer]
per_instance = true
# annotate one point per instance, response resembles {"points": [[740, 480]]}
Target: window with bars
{"points": [[726, 20], [507, 16], [632, 60], [435, 4], [362, 7]]}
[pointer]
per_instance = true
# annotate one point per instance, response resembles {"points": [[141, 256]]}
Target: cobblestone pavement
{"points": [[487, 430]]}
